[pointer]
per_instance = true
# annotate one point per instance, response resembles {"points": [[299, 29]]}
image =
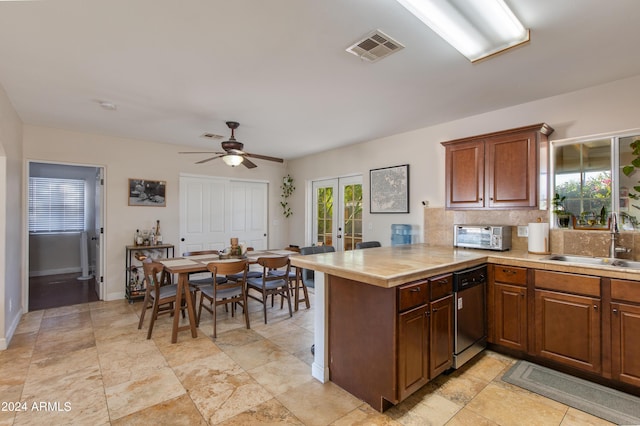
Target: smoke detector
{"points": [[374, 46]]}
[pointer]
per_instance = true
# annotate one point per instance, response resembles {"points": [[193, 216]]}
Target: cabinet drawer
{"points": [[411, 295], [625, 290], [570, 283], [510, 275], [440, 286]]}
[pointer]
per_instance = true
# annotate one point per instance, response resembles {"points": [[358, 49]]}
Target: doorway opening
{"points": [[65, 214]]}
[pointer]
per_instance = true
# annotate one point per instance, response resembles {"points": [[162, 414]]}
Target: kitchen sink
{"points": [[599, 261]]}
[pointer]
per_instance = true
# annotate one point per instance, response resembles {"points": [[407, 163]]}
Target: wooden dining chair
{"points": [[159, 296], [198, 282], [230, 291], [271, 284]]}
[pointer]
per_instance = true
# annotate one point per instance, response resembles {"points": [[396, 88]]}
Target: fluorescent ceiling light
{"points": [[233, 160], [476, 28]]}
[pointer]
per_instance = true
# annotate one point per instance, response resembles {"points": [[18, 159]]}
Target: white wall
{"points": [[606, 108], [11, 252], [127, 158]]}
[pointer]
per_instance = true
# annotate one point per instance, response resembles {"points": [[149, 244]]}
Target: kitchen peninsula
{"points": [[360, 327]]}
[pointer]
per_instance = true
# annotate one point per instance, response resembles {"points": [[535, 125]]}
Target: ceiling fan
{"points": [[233, 154]]}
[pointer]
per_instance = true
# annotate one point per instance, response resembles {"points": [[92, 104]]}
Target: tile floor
{"points": [[89, 365]]}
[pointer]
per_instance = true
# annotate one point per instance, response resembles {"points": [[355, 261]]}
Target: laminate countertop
{"points": [[393, 266]]}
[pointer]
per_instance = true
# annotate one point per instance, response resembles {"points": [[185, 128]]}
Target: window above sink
{"points": [[589, 180]]}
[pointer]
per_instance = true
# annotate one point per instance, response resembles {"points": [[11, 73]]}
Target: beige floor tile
{"points": [[294, 341], [186, 351], [129, 397], [30, 322], [176, 412], [579, 418], [79, 396], [365, 415], [66, 310], [316, 403], [459, 388], [466, 417], [72, 321], [270, 412], [256, 354], [486, 366], [237, 337], [61, 342], [44, 365], [9, 394], [122, 362], [224, 397], [507, 407], [282, 375], [433, 410]]}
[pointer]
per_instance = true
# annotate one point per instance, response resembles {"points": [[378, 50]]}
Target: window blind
{"points": [[56, 205]]}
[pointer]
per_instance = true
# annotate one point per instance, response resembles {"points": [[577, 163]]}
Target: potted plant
{"points": [[287, 189], [563, 216]]}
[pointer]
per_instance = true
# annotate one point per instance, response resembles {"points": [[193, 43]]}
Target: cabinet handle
{"points": [[595, 307], [509, 271], [415, 290], [427, 314], [615, 311], [435, 310], [480, 198]]}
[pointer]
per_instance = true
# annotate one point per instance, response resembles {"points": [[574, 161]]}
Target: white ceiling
{"points": [[180, 68]]}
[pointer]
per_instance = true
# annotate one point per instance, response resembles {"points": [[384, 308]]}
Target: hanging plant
{"points": [[287, 189]]}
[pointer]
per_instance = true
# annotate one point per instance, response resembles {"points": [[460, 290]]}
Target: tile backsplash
{"points": [[438, 231]]}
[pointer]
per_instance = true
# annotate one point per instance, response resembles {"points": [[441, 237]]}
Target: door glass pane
{"points": [[352, 216], [325, 215]]}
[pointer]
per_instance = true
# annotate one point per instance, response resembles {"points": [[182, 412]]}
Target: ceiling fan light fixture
{"points": [[476, 28], [233, 160]]}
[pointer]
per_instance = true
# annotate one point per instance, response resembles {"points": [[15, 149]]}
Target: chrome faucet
{"points": [[615, 231]]}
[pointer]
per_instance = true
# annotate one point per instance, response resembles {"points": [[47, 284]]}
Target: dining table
{"points": [[186, 265]]}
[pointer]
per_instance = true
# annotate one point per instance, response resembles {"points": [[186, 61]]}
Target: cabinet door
{"points": [[413, 345], [510, 316], [465, 175], [441, 338], [511, 171], [625, 342], [568, 329]]}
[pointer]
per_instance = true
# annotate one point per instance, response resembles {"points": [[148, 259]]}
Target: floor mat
{"points": [[601, 401]]}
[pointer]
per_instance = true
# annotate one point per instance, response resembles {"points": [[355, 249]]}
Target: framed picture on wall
{"points": [[143, 192], [389, 189]]}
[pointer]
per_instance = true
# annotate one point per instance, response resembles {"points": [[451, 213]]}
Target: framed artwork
{"points": [[389, 189], [143, 192]]}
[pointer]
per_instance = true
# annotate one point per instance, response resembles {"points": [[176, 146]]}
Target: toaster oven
{"points": [[486, 237]]}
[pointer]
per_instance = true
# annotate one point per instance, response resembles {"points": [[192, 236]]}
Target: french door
{"points": [[337, 212]]}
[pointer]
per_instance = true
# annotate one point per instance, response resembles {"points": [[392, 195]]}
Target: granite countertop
{"points": [[392, 266]]}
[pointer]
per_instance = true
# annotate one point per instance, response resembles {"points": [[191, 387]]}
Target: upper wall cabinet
{"points": [[497, 170]]}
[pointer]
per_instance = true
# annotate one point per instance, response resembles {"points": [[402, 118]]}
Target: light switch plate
{"points": [[523, 231]]}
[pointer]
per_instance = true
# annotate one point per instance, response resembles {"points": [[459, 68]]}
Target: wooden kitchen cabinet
{"points": [[567, 319], [413, 350], [495, 171], [440, 336], [508, 313], [625, 331]]}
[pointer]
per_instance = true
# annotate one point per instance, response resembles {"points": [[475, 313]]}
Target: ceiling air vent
{"points": [[211, 136], [374, 46]]}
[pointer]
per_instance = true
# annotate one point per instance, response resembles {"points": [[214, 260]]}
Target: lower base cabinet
{"points": [[625, 331], [386, 343], [568, 319]]}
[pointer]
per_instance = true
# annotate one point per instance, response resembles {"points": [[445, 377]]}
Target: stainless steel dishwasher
{"points": [[470, 314]]}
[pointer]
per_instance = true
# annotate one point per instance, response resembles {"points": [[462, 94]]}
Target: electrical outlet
{"points": [[523, 231]]}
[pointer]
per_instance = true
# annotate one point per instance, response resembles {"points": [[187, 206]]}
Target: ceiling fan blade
{"points": [[200, 152], [264, 157], [208, 159], [248, 164]]}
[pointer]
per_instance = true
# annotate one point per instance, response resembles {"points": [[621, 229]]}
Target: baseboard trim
{"points": [[4, 342], [54, 272]]}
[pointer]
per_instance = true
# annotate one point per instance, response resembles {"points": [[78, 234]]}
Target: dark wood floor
{"points": [[53, 291]]}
